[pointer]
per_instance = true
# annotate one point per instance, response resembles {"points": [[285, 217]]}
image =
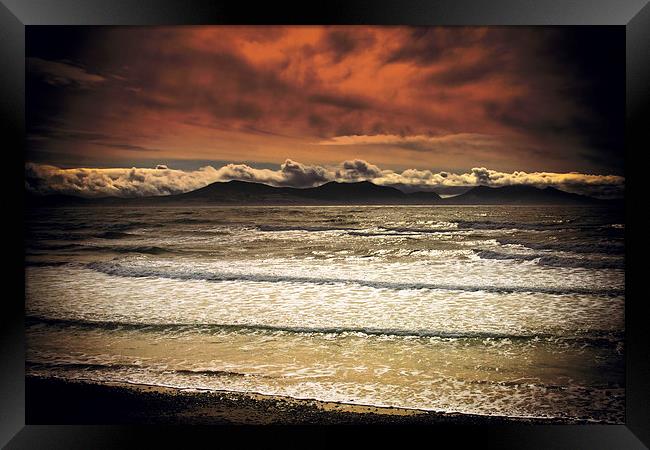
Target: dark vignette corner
{"points": [[12, 113], [637, 335]]}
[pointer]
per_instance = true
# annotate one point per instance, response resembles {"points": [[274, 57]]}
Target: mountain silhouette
{"points": [[332, 193], [519, 195], [364, 192]]}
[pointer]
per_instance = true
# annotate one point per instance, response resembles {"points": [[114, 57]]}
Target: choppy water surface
{"points": [[515, 311]]}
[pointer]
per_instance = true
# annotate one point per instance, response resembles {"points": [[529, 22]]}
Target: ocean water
{"points": [[508, 311]]}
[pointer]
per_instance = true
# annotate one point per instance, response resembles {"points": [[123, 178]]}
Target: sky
{"points": [[131, 111]]}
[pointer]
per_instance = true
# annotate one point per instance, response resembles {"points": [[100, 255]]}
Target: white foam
{"points": [[79, 293]]}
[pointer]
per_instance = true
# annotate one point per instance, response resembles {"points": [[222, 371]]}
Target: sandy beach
{"points": [[55, 401]]}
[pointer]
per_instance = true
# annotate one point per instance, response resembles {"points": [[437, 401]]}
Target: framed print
{"points": [[397, 215]]}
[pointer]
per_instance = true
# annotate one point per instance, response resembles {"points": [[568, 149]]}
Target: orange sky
{"points": [[402, 98]]}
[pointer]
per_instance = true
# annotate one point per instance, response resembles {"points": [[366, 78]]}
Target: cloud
{"points": [[344, 42], [59, 73], [428, 45], [357, 169], [457, 93], [300, 175], [611, 185], [161, 180], [463, 74], [130, 147], [340, 101], [446, 142], [119, 182]]}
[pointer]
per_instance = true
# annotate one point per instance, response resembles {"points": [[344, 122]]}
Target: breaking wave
{"points": [[117, 269], [607, 247], [146, 249], [553, 260], [593, 337]]}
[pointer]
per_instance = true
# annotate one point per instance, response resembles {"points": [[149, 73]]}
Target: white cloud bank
{"points": [[134, 182]]}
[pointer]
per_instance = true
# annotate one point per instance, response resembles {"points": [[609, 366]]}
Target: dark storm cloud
{"points": [[592, 61], [222, 83], [427, 45], [464, 73], [100, 139], [342, 43], [522, 98], [74, 135], [340, 101], [130, 147], [526, 116], [59, 73]]}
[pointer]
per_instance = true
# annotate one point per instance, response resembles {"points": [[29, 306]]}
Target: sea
{"points": [[509, 311]]}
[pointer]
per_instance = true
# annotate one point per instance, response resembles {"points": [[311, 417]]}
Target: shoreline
{"points": [[59, 401]]}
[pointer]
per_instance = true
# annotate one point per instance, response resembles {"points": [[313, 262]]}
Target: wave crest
{"points": [[140, 271], [554, 260]]}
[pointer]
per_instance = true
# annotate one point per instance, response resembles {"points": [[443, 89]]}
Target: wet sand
{"points": [[56, 401]]}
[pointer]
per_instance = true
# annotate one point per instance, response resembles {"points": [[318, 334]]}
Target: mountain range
{"points": [[332, 193]]}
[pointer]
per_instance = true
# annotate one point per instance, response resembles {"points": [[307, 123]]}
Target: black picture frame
{"points": [[15, 15]]}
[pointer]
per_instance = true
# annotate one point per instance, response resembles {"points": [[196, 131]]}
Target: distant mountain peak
{"points": [[238, 192], [521, 194]]}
